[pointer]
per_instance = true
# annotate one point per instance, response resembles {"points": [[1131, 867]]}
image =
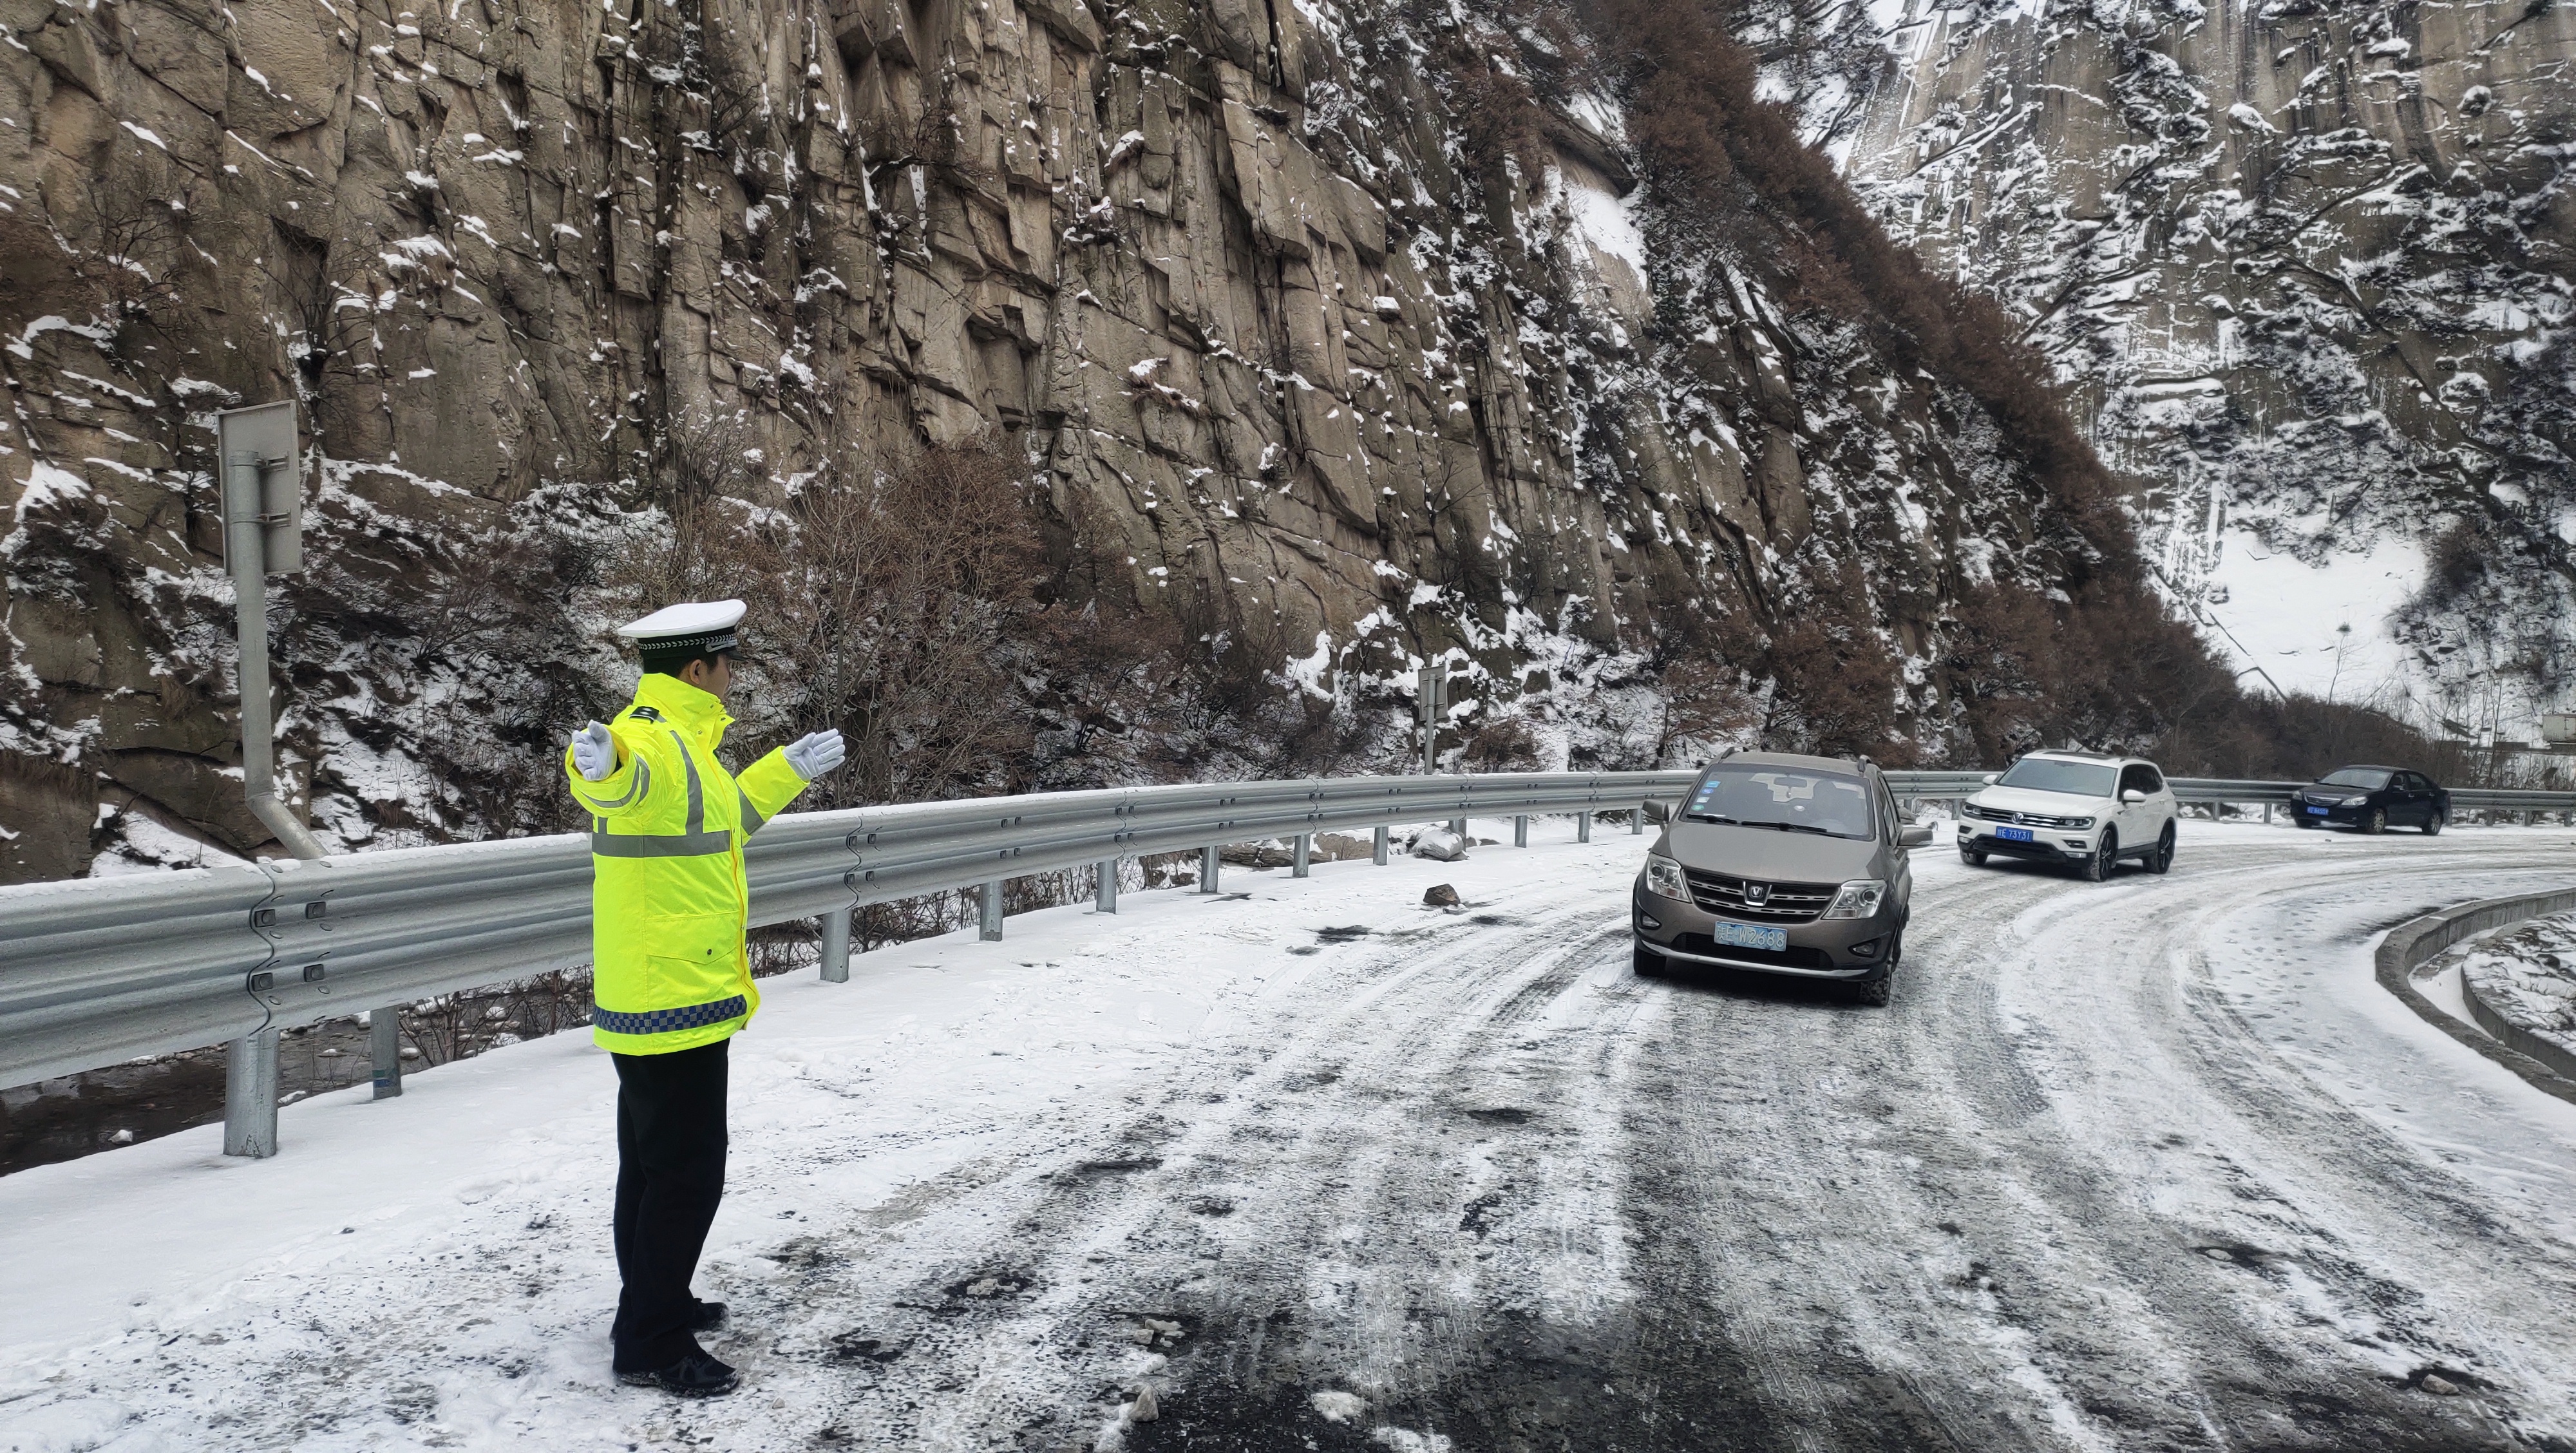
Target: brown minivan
{"points": [[1782, 864]]}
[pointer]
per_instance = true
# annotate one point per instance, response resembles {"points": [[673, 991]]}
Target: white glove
{"points": [[594, 752], [815, 754]]}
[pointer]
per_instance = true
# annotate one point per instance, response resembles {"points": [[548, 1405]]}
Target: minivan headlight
{"points": [[1859, 899], [1664, 877]]}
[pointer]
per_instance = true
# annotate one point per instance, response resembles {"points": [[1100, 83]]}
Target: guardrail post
{"points": [[2267, 814], [836, 946], [1458, 825], [250, 1095], [1583, 826], [1520, 830], [384, 1047], [1637, 823], [990, 917], [1209, 861], [1104, 893], [1305, 853], [1377, 850]]}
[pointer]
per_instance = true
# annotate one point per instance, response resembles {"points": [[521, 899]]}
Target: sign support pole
{"points": [[261, 486]]}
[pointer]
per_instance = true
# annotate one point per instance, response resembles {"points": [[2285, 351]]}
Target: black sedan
{"points": [[2373, 799]]}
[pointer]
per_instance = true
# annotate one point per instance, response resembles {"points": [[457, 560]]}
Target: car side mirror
{"points": [[1658, 811], [2133, 796], [1994, 777], [1914, 837]]}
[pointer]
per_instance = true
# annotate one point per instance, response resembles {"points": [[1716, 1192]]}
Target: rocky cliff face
{"points": [[2305, 270], [1301, 304]]}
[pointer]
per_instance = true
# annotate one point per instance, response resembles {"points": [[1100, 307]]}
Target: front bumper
{"points": [[2335, 816], [2047, 844], [1822, 948]]}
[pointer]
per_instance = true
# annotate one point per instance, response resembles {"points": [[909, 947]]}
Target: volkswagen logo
{"points": [[1756, 894]]}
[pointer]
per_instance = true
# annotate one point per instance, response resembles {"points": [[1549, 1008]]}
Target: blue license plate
{"points": [[2317, 811], [1743, 935], [2013, 834]]}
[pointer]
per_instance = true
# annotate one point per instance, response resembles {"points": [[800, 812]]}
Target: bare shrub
{"points": [[1500, 746], [1498, 118], [884, 604], [132, 248], [449, 1027], [1838, 681]]}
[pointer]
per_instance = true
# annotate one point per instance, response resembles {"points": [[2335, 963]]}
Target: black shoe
{"points": [[708, 1317], [694, 1376]]}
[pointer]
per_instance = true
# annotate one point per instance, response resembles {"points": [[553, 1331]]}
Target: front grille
{"points": [[1782, 902], [2023, 819], [1793, 957]]}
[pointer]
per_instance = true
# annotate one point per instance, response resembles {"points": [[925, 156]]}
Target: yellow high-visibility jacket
{"points": [[668, 898]]}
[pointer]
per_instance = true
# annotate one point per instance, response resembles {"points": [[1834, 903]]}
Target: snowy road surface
{"points": [[2145, 1165]]}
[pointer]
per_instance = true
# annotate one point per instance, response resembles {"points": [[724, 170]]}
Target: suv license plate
{"points": [[2013, 834], [1746, 936], [2317, 811]]}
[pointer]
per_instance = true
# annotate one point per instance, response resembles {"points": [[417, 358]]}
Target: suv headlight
{"points": [[1664, 877], [1859, 899]]}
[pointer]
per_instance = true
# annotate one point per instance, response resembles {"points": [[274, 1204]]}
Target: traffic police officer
{"points": [[671, 983]]}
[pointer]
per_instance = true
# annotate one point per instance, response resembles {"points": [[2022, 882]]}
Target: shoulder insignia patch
{"points": [[647, 713]]}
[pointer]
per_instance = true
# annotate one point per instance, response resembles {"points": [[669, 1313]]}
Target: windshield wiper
{"points": [[1712, 817], [1804, 827]]}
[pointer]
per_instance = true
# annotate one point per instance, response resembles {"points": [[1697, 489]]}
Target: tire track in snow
{"points": [[1284, 1123], [2118, 1169]]}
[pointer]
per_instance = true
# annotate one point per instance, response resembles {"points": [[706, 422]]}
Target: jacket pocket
{"points": [[687, 953], [672, 983]]}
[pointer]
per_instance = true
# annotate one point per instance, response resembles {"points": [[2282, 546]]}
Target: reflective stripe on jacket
{"points": [[668, 898]]}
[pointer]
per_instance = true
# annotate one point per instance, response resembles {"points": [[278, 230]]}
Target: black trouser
{"points": [[670, 1176]]}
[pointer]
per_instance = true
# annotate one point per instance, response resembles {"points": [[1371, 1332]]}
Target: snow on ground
{"points": [[2287, 616], [2115, 1149], [844, 1097], [2528, 975]]}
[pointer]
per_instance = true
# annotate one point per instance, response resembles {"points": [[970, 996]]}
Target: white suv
{"points": [[2083, 808]]}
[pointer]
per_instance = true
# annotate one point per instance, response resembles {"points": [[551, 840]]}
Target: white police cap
{"points": [[699, 627]]}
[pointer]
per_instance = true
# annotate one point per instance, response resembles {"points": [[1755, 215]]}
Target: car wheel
{"points": [[2161, 860], [2106, 856], [2377, 822], [2433, 825], [1972, 857], [1874, 991], [1648, 963]]}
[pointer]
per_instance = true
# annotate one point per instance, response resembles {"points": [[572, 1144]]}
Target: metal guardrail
{"points": [[97, 971]]}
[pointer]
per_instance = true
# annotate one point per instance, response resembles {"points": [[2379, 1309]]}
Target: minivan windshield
{"points": [[1785, 800], [2053, 774], [2368, 779]]}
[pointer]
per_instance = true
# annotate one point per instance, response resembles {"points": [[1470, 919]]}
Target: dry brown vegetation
{"points": [[921, 608], [2100, 659]]}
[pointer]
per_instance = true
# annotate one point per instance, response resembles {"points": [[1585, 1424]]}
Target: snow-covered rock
{"points": [[1438, 844]]}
